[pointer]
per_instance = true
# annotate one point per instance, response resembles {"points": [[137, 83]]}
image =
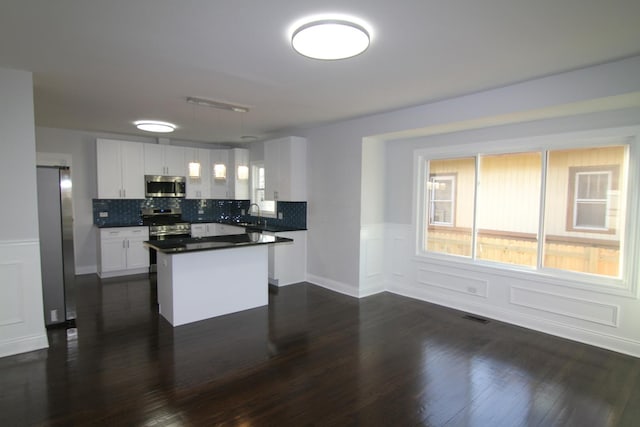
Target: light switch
{"points": [[104, 214]]}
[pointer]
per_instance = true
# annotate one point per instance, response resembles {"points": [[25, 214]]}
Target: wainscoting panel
{"points": [[575, 308], [11, 285], [21, 312], [453, 282]]}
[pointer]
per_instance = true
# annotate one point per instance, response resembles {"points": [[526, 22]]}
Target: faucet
{"points": [[257, 207]]}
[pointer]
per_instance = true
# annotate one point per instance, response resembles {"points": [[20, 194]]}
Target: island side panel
{"points": [[213, 283], [164, 283]]}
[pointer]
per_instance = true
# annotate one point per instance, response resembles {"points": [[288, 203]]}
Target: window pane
{"points": [[584, 213], [441, 213], [508, 208], [450, 193], [591, 215]]}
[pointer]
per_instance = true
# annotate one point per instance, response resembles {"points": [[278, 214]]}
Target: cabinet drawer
{"points": [[124, 233]]}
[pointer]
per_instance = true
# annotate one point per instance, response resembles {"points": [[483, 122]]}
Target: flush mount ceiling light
{"points": [[330, 39], [216, 104], [155, 126]]}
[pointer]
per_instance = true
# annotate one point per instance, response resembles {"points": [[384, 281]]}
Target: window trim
{"points": [[626, 286]]}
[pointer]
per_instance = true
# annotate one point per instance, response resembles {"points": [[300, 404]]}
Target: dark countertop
{"points": [[249, 226], [176, 246], [252, 226], [118, 225]]}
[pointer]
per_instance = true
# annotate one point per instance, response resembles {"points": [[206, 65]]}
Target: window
{"points": [[451, 190], [590, 203], [541, 210], [441, 206], [258, 184]]}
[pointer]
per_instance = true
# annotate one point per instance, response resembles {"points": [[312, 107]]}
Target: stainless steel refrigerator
{"points": [[55, 220]]}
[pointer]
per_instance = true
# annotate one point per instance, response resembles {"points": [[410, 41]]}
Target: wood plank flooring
{"points": [[312, 357]]}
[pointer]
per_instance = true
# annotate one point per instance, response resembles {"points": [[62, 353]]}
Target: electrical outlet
{"points": [[104, 214], [242, 212], [200, 211], [280, 216]]}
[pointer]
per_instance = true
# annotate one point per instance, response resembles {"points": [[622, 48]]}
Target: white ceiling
{"points": [[100, 65]]}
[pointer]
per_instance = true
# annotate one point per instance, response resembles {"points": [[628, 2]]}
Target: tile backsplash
{"points": [[119, 212]]}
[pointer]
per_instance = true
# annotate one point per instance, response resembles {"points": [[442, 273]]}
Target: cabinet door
{"points": [[198, 188], [226, 229], [272, 168], [137, 253], [285, 169], [154, 159], [238, 188], [113, 255], [219, 187], [109, 169], [288, 261], [296, 171], [174, 161], [132, 155], [198, 230]]}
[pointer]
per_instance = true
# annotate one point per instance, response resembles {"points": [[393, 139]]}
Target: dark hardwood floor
{"points": [[312, 357]]}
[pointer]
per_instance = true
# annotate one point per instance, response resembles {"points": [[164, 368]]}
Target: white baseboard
{"points": [[23, 345], [333, 285], [86, 269], [109, 274]]}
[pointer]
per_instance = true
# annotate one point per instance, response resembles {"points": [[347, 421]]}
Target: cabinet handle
{"points": [[127, 244], [124, 245], [124, 192]]}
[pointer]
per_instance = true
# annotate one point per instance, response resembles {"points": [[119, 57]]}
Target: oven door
{"points": [[153, 256]]}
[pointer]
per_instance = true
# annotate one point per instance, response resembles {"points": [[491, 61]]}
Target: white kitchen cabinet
{"points": [[215, 229], [285, 163], [119, 169], [227, 229], [288, 261], [219, 186], [198, 188], [162, 159], [238, 186], [121, 251]]}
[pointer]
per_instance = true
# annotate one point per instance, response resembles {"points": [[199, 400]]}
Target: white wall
{"points": [[600, 96], [21, 316]]}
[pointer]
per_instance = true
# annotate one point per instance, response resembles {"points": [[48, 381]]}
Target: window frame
{"points": [[625, 285]]}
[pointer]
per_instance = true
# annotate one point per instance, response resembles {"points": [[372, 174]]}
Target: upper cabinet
{"points": [[239, 174], [119, 167], [160, 159], [285, 164], [219, 175], [198, 187]]}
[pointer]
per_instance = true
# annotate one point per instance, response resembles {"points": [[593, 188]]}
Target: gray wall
{"points": [[21, 313]]}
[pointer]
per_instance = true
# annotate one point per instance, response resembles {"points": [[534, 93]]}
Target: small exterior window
{"points": [[441, 199], [590, 209]]}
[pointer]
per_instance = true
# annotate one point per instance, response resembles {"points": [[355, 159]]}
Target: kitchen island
{"points": [[200, 278]]}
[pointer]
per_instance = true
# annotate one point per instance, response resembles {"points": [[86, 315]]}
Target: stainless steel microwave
{"points": [[164, 186]]}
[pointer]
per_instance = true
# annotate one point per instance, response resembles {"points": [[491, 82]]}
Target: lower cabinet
{"points": [[121, 251], [215, 229], [288, 261]]}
